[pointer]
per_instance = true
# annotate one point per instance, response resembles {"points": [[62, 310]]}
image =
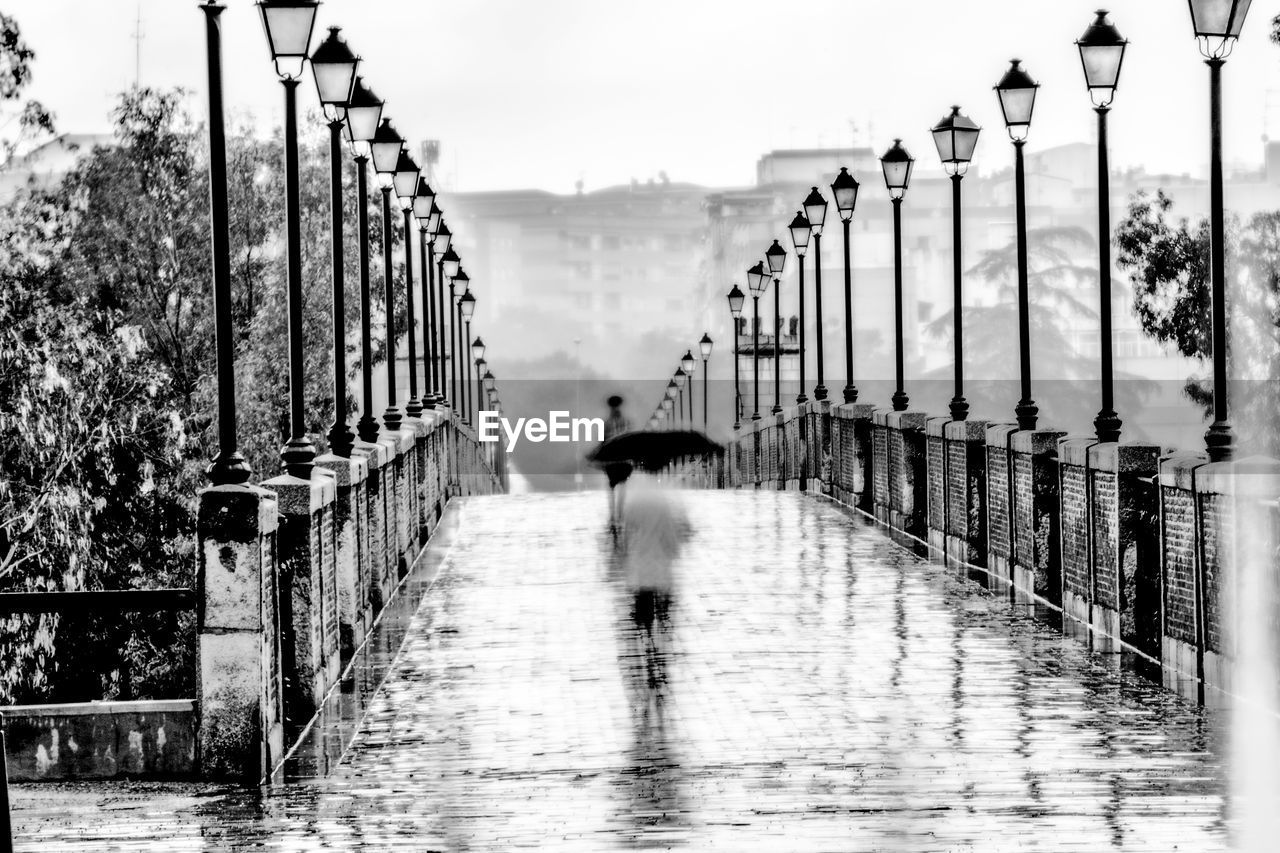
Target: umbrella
{"points": [[653, 448]]}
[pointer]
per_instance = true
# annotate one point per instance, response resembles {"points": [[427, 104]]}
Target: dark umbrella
{"points": [[653, 449]]}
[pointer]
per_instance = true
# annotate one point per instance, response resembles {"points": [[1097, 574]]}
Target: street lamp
{"points": [[466, 309], [1217, 25], [815, 210], [229, 467], [364, 110], [897, 163], [704, 346], [334, 67], [288, 25], [757, 283], [425, 211], [736, 299], [481, 369], [845, 191], [956, 137], [405, 181], [801, 231], [386, 148], [688, 364], [451, 266], [777, 259], [680, 379], [441, 243], [1102, 55], [1017, 93]]}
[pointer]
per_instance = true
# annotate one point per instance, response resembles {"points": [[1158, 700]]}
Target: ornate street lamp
{"points": [[956, 137], [481, 369], [897, 164], [688, 364], [466, 310], [229, 467], [1102, 55], [845, 191], [405, 181], [1017, 93], [801, 231], [386, 148], [288, 25], [451, 268], [334, 67], [364, 110], [441, 241], [424, 209], [776, 256], [815, 210], [1217, 25], [680, 379], [704, 347], [736, 299], [757, 283]]}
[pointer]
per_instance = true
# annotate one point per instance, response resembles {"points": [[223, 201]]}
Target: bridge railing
{"points": [[1140, 550], [291, 577]]}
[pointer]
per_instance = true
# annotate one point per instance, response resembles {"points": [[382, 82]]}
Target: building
{"points": [[46, 164]]}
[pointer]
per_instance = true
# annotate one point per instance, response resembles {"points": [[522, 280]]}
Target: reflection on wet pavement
{"points": [[814, 688]]}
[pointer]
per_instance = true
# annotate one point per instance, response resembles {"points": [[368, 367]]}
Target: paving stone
{"points": [[814, 688]]}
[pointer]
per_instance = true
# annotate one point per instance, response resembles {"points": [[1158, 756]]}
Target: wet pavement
{"points": [[815, 688]]}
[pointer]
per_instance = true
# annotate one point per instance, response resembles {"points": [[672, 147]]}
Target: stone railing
{"points": [[1137, 549], [293, 573]]}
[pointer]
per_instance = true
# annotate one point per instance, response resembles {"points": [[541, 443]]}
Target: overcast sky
{"points": [[540, 94]]}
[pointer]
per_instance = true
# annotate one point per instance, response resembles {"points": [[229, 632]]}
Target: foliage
{"points": [[33, 120]]}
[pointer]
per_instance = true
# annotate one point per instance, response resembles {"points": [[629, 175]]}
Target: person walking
{"points": [[616, 472]]}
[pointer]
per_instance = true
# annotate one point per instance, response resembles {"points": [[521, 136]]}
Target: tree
{"points": [[31, 118]]}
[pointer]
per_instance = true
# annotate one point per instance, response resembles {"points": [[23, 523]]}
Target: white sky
{"points": [[539, 93]]}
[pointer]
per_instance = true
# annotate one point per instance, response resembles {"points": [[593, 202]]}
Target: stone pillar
{"points": [[418, 525], [350, 524], [406, 499], [880, 465], [936, 475], [1123, 509], [1075, 535], [1035, 566], [851, 447], [966, 539], [999, 507], [821, 448], [789, 428], [908, 484], [1180, 645], [377, 549], [308, 608], [241, 736]]}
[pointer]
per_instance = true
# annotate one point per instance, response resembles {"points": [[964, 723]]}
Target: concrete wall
{"points": [[1138, 552]]}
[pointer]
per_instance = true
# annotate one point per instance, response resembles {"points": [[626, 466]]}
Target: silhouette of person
{"points": [[655, 529], [616, 472]]}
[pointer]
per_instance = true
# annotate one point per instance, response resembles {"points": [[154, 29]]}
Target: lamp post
{"points": [[1217, 25], [897, 164], [447, 263], [424, 205], [334, 67], [477, 356], [288, 25], [481, 367], [669, 399], [704, 346], [689, 365], [757, 283], [815, 210], [466, 308], [229, 467], [387, 146], [1102, 54], [736, 299], [680, 379], [451, 264], [405, 181], [777, 259], [956, 137], [363, 112], [801, 231], [845, 191], [1017, 93]]}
